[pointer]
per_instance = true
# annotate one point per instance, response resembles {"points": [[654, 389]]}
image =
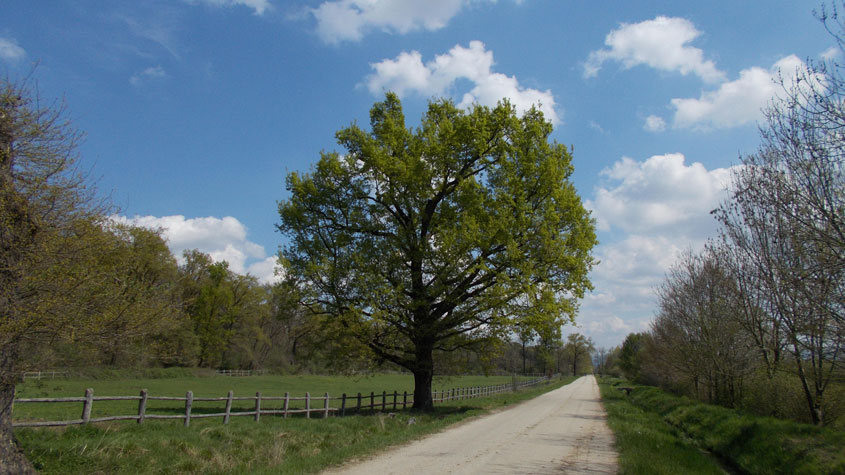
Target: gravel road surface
{"points": [[562, 431]]}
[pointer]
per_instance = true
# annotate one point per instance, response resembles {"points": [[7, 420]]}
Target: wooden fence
{"points": [[241, 372], [44, 374], [323, 408]]}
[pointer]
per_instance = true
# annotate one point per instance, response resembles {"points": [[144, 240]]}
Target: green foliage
{"points": [[751, 443], [631, 355], [441, 237], [577, 353]]}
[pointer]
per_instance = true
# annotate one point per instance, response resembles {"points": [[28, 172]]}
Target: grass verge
{"points": [[274, 445], [646, 443], [746, 443]]}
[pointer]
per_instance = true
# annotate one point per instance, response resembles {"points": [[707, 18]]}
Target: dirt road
{"points": [[563, 431]]}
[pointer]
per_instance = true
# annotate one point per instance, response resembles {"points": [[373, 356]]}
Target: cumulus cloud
{"points": [[150, 74], [661, 43], [660, 194], [10, 51], [407, 73], [258, 6], [736, 102], [650, 211], [224, 239], [654, 123], [626, 277]]}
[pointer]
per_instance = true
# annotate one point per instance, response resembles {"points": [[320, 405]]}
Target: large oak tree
{"points": [[439, 237]]}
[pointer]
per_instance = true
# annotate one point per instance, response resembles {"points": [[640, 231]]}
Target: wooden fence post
{"points": [[257, 405], [326, 407], [287, 404], [372, 401], [228, 406], [308, 405], [142, 406], [86, 405], [383, 401], [189, 401], [394, 399], [404, 399], [343, 405]]}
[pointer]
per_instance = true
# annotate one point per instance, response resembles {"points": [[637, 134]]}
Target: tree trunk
{"points": [[423, 375], [523, 356], [815, 412], [12, 460]]}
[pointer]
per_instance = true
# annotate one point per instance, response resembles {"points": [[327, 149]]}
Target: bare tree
{"points": [[785, 227], [694, 337]]}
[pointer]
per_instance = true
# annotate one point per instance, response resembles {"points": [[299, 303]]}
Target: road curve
{"points": [[562, 431]]}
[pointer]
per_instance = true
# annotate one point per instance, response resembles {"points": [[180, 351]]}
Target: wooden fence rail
{"points": [[318, 405], [44, 374], [241, 372]]}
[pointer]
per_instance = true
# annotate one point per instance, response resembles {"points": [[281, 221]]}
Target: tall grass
{"points": [[274, 445], [647, 444], [746, 443]]}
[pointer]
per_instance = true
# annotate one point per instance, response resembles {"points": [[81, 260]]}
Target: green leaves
{"points": [[435, 234]]}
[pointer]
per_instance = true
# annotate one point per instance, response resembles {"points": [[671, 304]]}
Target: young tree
{"points": [[577, 351], [631, 356], [47, 213], [441, 237]]}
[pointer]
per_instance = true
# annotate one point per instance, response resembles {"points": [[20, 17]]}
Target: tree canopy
{"points": [[439, 237]]}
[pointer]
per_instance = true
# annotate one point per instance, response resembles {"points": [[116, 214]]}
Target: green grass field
{"points": [[215, 386], [273, 445]]}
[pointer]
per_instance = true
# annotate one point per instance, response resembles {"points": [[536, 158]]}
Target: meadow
{"points": [[275, 444]]}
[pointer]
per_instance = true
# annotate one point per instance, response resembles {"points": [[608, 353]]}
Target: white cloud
{"points": [[736, 102], [654, 123], [10, 51], [265, 269], [625, 280], [660, 194], [661, 43], [649, 212], [258, 6], [350, 20], [637, 263], [407, 73], [224, 239], [831, 53], [147, 75]]}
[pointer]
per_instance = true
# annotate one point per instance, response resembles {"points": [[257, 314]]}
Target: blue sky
{"points": [[195, 110]]}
